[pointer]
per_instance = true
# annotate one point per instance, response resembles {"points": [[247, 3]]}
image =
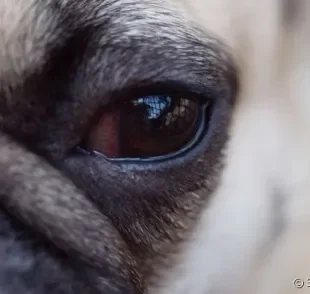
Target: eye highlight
{"points": [[147, 127]]}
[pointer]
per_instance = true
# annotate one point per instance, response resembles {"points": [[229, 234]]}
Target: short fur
{"points": [[229, 216]]}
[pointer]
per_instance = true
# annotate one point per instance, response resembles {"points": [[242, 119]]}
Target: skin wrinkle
{"points": [[69, 228]]}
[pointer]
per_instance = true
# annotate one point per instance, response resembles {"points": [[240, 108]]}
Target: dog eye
{"points": [[146, 127]]}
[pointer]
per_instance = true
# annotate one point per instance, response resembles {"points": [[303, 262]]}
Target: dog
{"points": [[157, 147]]}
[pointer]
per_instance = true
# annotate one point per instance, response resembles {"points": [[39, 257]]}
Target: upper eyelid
{"points": [[198, 66]]}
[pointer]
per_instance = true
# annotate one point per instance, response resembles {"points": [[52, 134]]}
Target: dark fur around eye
{"points": [[156, 196], [100, 59], [96, 66]]}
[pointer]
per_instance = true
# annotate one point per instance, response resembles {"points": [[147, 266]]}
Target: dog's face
{"points": [[155, 147]]}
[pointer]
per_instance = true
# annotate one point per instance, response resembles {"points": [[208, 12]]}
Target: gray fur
{"points": [[81, 223]]}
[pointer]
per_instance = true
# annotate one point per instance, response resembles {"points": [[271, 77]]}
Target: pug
{"points": [[154, 146]]}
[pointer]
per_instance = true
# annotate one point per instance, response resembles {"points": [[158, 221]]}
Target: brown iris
{"points": [[145, 127]]}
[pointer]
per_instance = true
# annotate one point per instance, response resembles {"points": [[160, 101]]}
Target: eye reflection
{"points": [[146, 127], [155, 105]]}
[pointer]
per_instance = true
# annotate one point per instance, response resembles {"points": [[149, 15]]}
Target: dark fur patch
{"points": [[291, 11]]}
